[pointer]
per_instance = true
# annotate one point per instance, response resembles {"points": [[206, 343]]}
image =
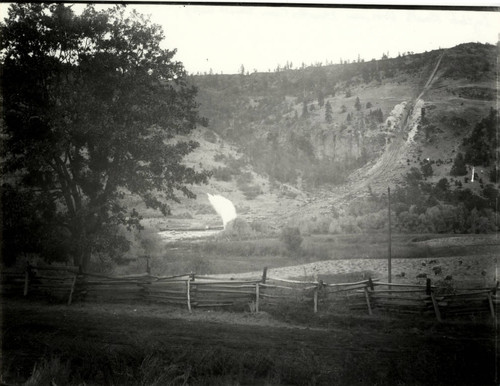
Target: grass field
{"points": [[220, 256], [155, 345]]}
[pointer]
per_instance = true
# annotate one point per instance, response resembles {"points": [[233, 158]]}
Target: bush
{"points": [[292, 239], [261, 227], [210, 136], [219, 157], [494, 175], [245, 178], [426, 169], [222, 174], [459, 168], [250, 191], [238, 229]]}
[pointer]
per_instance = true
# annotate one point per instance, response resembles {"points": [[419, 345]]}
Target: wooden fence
{"points": [[192, 291]]}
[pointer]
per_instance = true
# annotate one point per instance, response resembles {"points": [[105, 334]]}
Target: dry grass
{"points": [[112, 344]]}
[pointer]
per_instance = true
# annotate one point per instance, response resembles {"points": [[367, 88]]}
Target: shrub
{"points": [[334, 227], [210, 136], [250, 191], [292, 239], [222, 174], [219, 157], [261, 227], [494, 175], [426, 169], [459, 168], [238, 229], [245, 178]]}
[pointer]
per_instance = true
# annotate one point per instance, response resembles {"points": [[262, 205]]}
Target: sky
{"points": [[221, 38]]}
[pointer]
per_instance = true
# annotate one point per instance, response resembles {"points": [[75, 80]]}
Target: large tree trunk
{"points": [[82, 258], [82, 249]]}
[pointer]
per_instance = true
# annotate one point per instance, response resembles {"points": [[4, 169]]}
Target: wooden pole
{"points": [[70, 298], [26, 279], [315, 299], [367, 296], [188, 293], [428, 291], [257, 296], [264, 275], [389, 273], [436, 307], [492, 308]]}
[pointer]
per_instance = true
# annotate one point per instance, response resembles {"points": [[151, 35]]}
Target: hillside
{"points": [[312, 140]]}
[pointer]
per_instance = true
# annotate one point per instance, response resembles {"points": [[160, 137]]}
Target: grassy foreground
{"points": [[156, 345]]}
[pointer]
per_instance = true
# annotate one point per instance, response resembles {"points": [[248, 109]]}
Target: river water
{"points": [[170, 236]]}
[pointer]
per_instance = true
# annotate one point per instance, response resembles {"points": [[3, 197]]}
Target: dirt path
{"points": [[380, 174], [349, 351], [384, 168]]}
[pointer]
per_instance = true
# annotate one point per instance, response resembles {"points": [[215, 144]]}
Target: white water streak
{"points": [[224, 207]]}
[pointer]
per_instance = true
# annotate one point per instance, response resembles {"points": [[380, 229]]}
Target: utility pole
{"points": [[389, 208]]}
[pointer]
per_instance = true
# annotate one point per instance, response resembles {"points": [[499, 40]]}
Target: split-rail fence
{"points": [[196, 291]]}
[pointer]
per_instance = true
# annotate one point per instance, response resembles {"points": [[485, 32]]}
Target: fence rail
{"points": [[69, 284]]}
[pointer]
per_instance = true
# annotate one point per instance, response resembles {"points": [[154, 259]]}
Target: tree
{"points": [[426, 169], [328, 112], [357, 104], [321, 98], [305, 111], [292, 239], [92, 106], [482, 143], [459, 167]]}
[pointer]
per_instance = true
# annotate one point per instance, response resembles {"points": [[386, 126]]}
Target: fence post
{"points": [[368, 304], [429, 291], [492, 309], [316, 293], [188, 293], [257, 296], [70, 298], [490, 299], [316, 299], [264, 275], [26, 279]]}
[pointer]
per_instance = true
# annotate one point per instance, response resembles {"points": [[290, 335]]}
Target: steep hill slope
{"points": [[301, 143]]}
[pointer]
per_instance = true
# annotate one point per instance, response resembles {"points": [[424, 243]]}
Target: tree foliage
{"points": [[292, 239], [357, 104], [92, 106], [483, 141], [459, 167], [328, 112]]}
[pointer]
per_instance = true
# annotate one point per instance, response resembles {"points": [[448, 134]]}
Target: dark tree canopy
{"points": [[92, 108], [459, 167], [328, 112]]}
